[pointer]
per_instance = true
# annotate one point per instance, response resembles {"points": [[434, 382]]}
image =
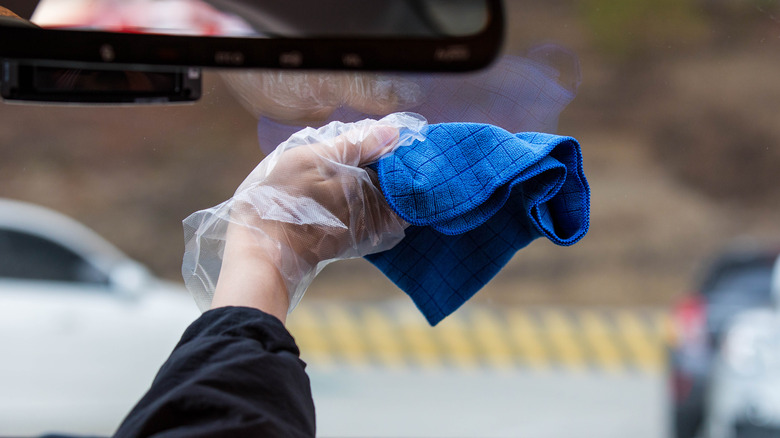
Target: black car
{"points": [[739, 279]]}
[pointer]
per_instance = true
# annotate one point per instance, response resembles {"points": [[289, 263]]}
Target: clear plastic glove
{"points": [[309, 203]]}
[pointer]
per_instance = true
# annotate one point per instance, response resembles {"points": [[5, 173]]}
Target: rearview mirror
{"points": [[410, 35]]}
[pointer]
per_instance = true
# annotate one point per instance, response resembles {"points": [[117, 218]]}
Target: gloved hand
{"points": [[310, 202]]}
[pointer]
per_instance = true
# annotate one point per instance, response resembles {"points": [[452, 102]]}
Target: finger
{"points": [[359, 147]]}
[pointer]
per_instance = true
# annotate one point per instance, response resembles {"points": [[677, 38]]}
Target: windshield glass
{"points": [[675, 106]]}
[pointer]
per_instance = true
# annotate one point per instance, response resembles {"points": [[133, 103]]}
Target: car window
{"points": [[740, 277], [750, 284], [30, 257]]}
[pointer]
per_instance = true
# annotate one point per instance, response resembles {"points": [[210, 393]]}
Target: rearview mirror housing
{"points": [[414, 35]]}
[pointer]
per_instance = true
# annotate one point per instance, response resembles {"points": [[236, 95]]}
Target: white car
{"points": [[744, 394], [743, 399], [83, 328]]}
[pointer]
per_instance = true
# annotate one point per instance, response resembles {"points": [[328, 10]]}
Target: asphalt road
{"points": [[382, 371], [370, 401]]}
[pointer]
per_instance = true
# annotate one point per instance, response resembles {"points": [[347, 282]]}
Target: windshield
{"points": [[675, 105]]}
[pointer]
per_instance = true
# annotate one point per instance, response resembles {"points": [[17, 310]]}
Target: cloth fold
{"points": [[475, 194]]}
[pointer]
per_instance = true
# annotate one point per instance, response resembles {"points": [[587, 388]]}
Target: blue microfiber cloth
{"points": [[475, 194]]}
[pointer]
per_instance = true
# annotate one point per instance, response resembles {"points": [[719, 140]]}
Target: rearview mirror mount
{"points": [[97, 83]]}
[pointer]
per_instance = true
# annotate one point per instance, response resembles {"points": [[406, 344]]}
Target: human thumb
{"points": [[360, 146], [381, 140]]}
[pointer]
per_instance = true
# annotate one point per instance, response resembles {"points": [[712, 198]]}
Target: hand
{"points": [[304, 206]]}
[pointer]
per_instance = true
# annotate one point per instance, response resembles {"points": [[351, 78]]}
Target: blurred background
{"points": [[677, 114]]}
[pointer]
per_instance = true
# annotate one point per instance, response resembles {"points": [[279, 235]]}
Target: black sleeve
{"points": [[235, 373]]}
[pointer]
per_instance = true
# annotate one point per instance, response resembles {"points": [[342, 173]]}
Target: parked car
{"points": [[743, 395], [737, 281], [83, 328]]}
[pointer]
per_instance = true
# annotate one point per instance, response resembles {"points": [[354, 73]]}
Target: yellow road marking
{"points": [[384, 338], [647, 353], [346, 335], [525, 335], [457, 342], [601, 340], [307, 330], [562, 339], [494, 339], [417, 334], [611, 340]]}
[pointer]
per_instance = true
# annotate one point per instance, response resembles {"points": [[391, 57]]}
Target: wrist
{"points": [[250, 275]]}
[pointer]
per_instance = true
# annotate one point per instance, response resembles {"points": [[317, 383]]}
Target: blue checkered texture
{"points": [[475, 194]]}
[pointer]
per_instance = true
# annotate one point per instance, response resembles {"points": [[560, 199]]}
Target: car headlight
{"points": [[752, 350]]}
